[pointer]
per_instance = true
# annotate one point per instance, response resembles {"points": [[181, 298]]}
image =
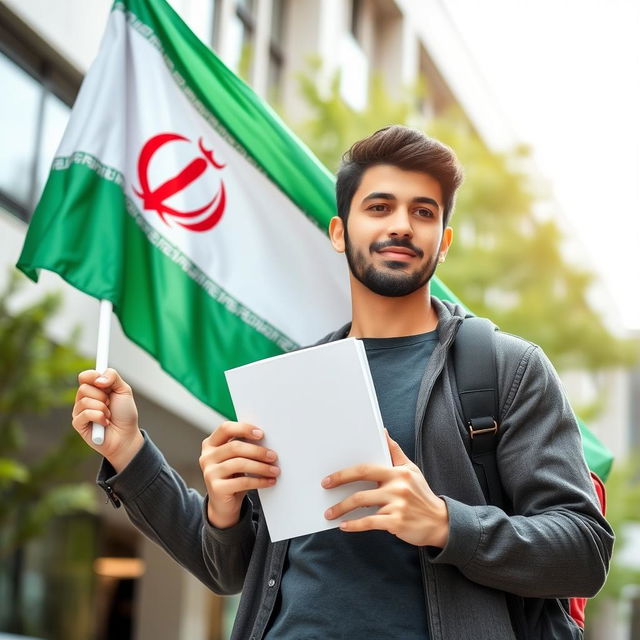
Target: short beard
{"points": [[392, 285]]}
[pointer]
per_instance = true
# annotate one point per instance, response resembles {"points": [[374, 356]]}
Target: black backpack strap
{"points": [[474, 363]]}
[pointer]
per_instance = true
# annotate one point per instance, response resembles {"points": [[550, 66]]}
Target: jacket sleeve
{"points": [[165, 510], [557, 544]]}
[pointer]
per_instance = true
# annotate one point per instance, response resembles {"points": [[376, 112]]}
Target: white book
{"points": [[319, 412]]}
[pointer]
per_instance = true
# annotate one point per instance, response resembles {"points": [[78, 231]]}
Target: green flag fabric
{"points": [[181, 197]]}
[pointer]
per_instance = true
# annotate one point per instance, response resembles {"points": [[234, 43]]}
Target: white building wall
{"points": [[613, 425], [73, 27], [301, 38]]}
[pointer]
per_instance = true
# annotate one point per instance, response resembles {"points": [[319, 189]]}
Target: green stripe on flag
{"points": [[161, 308], [599, 458]]}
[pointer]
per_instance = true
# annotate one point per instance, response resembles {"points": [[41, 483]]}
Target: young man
{"points": [[435, 561]]}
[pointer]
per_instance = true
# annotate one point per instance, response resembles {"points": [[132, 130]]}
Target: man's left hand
{"points": [[408, 507]]}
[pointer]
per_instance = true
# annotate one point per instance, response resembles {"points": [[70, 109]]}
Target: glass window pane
{"points": [[19, 107], [240, 52], [197, 14], [277, 22], [236, 39], [247, 5], [56, 115], [214, 30], [274, 79]]}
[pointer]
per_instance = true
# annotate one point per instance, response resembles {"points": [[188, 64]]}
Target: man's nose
{"points": [[400, 223]]}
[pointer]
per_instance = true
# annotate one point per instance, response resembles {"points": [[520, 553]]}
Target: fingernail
{"points": [[102, 379], [274, 470], [257, 433], [344, 526], [328, 513], [326, 482], [271, 455]]}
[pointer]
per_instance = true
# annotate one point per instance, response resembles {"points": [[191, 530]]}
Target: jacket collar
{"points": [[449, 317]]}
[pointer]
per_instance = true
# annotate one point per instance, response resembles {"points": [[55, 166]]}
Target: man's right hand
{"points": [[107, 399], [227, 455]]}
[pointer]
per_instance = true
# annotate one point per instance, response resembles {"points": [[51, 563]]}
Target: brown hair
{"points": [[407, 149]]}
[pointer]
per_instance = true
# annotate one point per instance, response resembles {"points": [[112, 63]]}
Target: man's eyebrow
{"points": [[425, 200], [381, 195]]}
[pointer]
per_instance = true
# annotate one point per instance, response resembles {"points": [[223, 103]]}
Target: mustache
{"points": [[387, 244]]}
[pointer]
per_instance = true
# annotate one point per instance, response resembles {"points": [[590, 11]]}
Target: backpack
{"points": [[474, 364]]}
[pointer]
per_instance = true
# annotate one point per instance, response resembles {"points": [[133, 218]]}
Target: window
{"points": [[215, 25], [200, 16], [276, 55], [354, 22], [241, 29], [19, 117], [33, 114]]}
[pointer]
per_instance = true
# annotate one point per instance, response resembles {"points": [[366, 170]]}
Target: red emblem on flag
{"points": [[154, 199]]}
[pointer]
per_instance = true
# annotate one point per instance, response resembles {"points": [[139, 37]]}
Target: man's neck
{"points": [[376, 316]]}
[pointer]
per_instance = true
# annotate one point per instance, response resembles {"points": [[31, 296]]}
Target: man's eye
{"points": [[424, 213], [378, 207]]}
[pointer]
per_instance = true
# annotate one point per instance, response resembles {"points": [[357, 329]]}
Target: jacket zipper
{"points": [[419, 458]]}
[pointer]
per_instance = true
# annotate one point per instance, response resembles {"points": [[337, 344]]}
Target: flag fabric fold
{"points": [[181, 197]]}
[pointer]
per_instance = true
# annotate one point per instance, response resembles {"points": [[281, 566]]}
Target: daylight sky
{"points": [[564, 76]]}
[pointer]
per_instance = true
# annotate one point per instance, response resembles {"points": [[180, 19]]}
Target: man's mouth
{"points": [[397, 253]]}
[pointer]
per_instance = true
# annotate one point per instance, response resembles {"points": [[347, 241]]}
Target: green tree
{"points": [[505, 263], [37, 375]]}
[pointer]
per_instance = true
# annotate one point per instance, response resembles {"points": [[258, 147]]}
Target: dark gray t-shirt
{"points": [[368, 584]]}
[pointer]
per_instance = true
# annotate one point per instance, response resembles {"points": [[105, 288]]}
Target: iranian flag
{"points": [[179, 196]]}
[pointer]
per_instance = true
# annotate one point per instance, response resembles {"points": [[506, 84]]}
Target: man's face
{"points": [[394, 232]]}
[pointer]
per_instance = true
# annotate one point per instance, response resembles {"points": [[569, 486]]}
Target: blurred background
{"points": [[539, 100]]}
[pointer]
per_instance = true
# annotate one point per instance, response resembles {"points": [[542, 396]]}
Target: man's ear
{"points": [[445, 243], [336, 234]]}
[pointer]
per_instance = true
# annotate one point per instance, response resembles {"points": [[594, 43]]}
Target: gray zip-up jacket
{"points": [[495, 566]]}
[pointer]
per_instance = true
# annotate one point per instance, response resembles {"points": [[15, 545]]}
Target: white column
{"points": [[409, 63], [158, 596], [225, 15], [332, 27], [194, 614], [301, 42]]}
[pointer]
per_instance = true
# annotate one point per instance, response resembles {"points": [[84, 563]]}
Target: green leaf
{"points": [[12, 471]]}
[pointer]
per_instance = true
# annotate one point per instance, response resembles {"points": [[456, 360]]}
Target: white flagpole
{"points": [[102, 357]]}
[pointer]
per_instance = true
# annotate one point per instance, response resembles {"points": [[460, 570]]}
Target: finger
{"points": [[110, 380], [230, 486], [228, 430], [242, 465], [87, 416], [398, 456], [89, 391], [368, 523], [90, 403], [373, 497], [88, 376], [242, 449], [371, 472]]}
